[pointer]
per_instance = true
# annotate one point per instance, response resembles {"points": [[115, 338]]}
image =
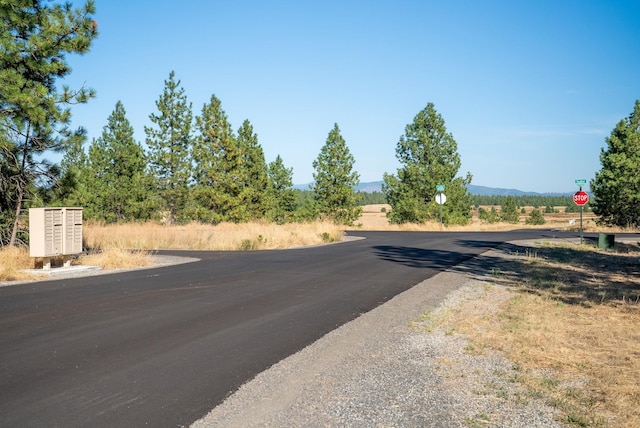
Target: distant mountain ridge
{"points": [[376, 186]]}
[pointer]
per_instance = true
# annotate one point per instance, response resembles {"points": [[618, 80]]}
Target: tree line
{"points": [[199, 168]]}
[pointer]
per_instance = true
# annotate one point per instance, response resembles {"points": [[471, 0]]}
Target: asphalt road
{"points": [[161, 347]]}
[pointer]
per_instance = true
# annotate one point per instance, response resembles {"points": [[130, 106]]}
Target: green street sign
{"points": [[581, 182], [440, 187]]}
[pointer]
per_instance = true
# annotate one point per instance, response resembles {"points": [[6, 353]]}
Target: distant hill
{"points": [[376, 186], [497, 191], [373, 186]]}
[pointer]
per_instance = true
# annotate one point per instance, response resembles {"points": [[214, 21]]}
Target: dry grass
{"points": [[571, 326], [115, 258], [12, 262], [225, 236]]}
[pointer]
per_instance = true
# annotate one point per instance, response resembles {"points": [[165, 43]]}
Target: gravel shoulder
{"points": [[381, 370]]}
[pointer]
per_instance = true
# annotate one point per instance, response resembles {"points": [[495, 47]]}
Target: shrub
{"points": [[536, 217], [489, 216]]}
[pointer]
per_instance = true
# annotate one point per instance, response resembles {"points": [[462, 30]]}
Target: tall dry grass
{"points": [[115, 258], [13, 262], [224, 236]]}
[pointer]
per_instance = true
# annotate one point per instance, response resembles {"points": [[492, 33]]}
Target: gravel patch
{"points": [[383, 370]]}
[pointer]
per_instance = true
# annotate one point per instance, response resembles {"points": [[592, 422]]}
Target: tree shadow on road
{"points": [[571, 273], [420, 257]]}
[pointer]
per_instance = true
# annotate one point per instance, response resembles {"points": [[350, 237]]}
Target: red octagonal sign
{"points": [[581, 197]]}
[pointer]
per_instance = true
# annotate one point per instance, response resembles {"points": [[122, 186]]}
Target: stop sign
{"points": [[581, 197]]}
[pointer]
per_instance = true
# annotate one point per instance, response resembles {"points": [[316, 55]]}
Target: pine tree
{"points": [[535, 218], [335, 180], [218, 168], [430, 157], [116, 178], [255, 182], [282, 197], [34, 113], [170, 143], [509, 211], [616, 187]]}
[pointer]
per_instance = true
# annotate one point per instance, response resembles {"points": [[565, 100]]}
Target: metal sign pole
{"points": [[580, 224]]}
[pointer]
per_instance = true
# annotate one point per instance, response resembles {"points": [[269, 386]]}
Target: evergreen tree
{"points": [[218, 168], [335, 180], [282, 197], [34, 113], [616, 187], [535, 218], [509, 211], [170, 144], [490, 216], [118, 185], [430, 157], [255, 180]]}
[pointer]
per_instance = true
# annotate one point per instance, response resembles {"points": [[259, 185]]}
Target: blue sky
{"points": [[529, 89]]}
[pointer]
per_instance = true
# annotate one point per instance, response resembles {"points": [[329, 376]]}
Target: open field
{"points": [[374, 218]]}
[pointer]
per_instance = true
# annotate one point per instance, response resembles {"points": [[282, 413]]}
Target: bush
{"points": [[509, 212], [536, 217], [489, 216]]}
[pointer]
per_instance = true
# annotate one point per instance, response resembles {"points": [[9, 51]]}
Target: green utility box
{"points": [[606, 241]]}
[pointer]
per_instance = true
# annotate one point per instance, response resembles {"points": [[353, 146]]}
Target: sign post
{"points": [[440, 198], [581, 198]]}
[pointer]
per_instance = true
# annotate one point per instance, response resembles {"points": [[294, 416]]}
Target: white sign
{"points": [[441, 198]]}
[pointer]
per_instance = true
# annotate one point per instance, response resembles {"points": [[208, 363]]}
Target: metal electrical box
{"points": [[55, 232]]}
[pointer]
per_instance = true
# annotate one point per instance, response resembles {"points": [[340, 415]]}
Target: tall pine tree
{"points": [[616, 187], [429, 156], [255, 182], [170, 143], [335, 180], [219, 171], [282, 198], [116, 178]]}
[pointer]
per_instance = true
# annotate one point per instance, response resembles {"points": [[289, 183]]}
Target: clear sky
{"points": [[529, 89]]}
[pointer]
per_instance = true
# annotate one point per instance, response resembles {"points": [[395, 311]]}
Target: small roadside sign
{"points": [[440, 187], [581, 182]]}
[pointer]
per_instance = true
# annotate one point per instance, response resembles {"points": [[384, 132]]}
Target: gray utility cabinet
{"points": [[55, 232]]}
